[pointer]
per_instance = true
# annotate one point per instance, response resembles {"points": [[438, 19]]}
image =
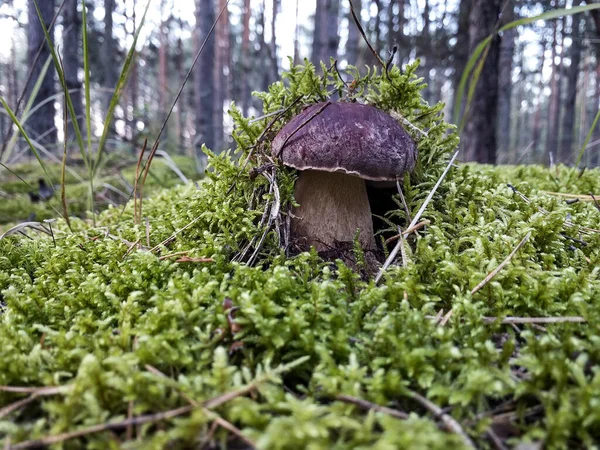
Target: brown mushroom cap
{"points": [[351, 138]]}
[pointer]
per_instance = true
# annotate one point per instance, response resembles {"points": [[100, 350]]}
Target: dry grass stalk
{"points": [[448, 421], [364, 404], [415, 220]]}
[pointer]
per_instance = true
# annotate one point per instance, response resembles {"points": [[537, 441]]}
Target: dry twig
{"points": [[448, 421], [364, 404]]}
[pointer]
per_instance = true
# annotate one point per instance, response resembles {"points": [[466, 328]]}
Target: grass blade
{"points": [[24, 133], [8, 149], [587, 139], [117, 93]]}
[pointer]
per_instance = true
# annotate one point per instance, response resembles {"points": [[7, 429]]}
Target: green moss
{"points": [[99, 319]]}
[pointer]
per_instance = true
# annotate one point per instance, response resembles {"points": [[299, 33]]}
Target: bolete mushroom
{"points": [[336, 147]]}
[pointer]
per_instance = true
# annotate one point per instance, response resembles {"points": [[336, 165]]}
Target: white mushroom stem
{"points": [[333, 206]]}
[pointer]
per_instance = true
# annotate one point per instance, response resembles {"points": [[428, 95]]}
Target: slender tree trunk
{"points": [[163, 56], [204, 80], [326, 37], [274, 59], [403, 46], [296, 36], [554, 101], [480, 135], [41, 123], [133, 91], [182, 100], [568, 131], [354, 37], [461, 50], [318, 42], [505, 82], [109, 55], [221, 70], [72, 60], [246, 63]]}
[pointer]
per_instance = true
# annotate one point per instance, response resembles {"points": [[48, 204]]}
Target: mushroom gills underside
{"points": [[333, 206]]}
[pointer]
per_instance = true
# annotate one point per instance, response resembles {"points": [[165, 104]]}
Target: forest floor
{"points": [[108, 340]]}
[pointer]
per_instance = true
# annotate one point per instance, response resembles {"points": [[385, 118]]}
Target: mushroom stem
{"points": [[332, 207]]}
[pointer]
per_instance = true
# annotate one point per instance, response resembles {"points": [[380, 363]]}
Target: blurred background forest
{"points": [[537, 97]]}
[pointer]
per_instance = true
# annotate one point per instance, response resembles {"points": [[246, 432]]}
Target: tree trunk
{"points": [[41, 124], [461, 50], [296, 36], [221, 69], [163, 55], [246, 62], [568, 129], [204, 80], [480, 133], [354, 37], [505, 83], [326, 37], [274, 59], [400, 37], [109, 55], [72, 60], [550, 153]]}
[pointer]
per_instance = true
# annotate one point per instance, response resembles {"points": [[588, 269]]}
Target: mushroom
{"points": [[336, 147]]}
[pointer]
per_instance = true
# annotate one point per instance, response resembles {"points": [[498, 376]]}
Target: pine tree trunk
{"points": [[246, 63], [163, 55], [354, 37], [296, 36], [550, 153], [507, 48], [274, 59], [326, 37], [41, 124], [109, 54], [204, 81], [220, 64], [568, 125], [72, 60], [401, 42], [480, 133], [461, 50]]}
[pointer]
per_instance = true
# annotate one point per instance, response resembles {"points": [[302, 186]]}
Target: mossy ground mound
{"points": [[281, 349]]}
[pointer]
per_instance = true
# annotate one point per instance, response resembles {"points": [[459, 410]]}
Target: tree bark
{"points": [[568, 128], [505, 83], [326, 37], [480, 133], [551, 150], [245, 59], [220, 73], [274, 59], [163, 55], [354, 37], [204, 80], [72, 60], [41, 123], [109, 54], [461, 50]]}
